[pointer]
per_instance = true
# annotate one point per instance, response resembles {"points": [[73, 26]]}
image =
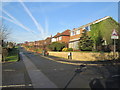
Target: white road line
{"points": [[23, 85], [39, 80], [9, 70]]}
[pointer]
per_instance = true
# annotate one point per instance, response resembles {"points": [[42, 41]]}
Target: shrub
{"points": [[65, 49], [56, 46], [10, 45], [69, 49], [4, 53], [85, 43]]}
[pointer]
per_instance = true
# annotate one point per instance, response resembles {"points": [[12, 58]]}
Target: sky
{"points": [[39, 20]]}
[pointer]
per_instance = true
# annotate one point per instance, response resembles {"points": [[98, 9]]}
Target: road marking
{"points": [[23, 85], [9, 70], [39, 80]]}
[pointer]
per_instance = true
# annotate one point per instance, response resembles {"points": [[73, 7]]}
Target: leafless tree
{"points": [[4, 32]]}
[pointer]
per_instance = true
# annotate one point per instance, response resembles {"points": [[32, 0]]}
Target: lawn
{"points": [[13, 55]]}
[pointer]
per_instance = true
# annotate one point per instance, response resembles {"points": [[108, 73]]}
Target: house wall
{"points": [[47, 41], [53, 40], [65, 39], [74, 45], [74, 38]]}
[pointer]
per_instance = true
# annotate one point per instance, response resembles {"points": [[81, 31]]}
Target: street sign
{"points": [[114, 35]]}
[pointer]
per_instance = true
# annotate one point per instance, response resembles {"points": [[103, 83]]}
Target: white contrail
{"points": [[39, 27], [16, 21], [19, 25]]}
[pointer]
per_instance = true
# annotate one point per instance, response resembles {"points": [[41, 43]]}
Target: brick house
{"points": [[55, 38], [62, 37], [47, 41], [40, 44], [76, 33], [29, 43]]}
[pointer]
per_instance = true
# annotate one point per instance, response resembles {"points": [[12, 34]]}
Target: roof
{"points": [[58, 34], [66, 32], [48, 38], [96, 21]]}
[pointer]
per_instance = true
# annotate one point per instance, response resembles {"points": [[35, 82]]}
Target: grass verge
{"points": [[13, 55]]}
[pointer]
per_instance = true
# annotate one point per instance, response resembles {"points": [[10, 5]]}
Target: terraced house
{"points": [[104, 25]]}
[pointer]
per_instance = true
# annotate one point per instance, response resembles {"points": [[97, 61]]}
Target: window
{"points": [[72, 33], [87, 28], [78, 32], [60, 38], [57, 39]]}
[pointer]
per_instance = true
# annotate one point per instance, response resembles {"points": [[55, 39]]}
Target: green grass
{"points": [[13, 55]]}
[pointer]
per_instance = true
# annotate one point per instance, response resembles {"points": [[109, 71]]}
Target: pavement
{"points": [[34, 73], [14, 74]]}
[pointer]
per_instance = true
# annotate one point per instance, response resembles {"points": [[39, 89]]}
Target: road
{"points": [[35, 71]]}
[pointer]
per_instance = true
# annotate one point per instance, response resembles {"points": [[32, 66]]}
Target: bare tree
{"points": [[4, 32]]}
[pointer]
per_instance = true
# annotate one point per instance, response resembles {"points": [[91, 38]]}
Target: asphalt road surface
{"points": [[35, 71]]}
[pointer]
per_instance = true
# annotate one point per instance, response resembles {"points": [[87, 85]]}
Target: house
{"points": [[55, 38], [76, 33], [47, 41], [62, 37], [40, 44], [29, 43]]}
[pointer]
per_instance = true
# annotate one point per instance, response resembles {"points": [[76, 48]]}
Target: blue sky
{"points": [[54, 17]]}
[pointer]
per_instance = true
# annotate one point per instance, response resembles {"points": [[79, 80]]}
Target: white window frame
{"points": [[60, 38], [77, 32]]}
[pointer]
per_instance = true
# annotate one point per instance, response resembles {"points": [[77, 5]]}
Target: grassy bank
{"points": [[13, 55]]}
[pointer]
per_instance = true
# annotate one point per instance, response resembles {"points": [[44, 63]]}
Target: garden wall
{"points": [[87, 56]]}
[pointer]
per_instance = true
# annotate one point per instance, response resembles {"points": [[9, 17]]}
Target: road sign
{"points": [[114, 35]]}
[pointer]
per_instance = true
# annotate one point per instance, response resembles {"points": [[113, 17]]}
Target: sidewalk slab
{"points": [[39, 80]]}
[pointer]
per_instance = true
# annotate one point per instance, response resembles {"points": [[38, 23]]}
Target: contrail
{"points": [[16, 21], [19, 25], [39, 27]]}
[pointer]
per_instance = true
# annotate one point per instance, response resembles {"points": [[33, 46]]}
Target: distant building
{"points": [[47, 41]]}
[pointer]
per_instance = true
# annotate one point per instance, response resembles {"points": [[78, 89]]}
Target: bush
{"points": [[65, 49], [70, 49], [10, 45], [4, 53], [85, 43], [56, 46], [13, 55]]}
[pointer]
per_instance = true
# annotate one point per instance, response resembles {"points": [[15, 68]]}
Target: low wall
{"points": [[87, 56]]}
